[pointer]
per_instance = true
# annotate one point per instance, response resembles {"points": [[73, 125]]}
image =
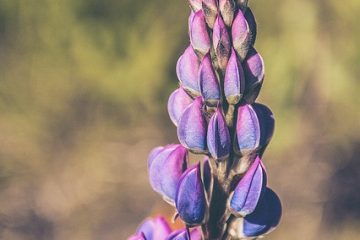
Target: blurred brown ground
{"points": [[83, 91]]}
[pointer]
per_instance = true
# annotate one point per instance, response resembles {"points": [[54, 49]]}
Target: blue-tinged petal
{"points": [[254, 70], [247, 130], [199, 36], [187, 70], [208, 82], [192, 127], [218, 136], [266, 216], [190, 197], [179, 100], [154, 228], [248, 191], [267, 124], [166, 169], [234, 80]]}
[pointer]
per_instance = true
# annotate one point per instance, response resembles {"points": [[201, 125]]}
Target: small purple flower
{"points": [[199, 36], [154, 229], [187, 69], [234, 80], [227, 9], [248, 191], [241, 35], [195, 4], [190, 197], [210, 11], [193, 127], [254, 70], [247, 130], [218, 136], [166, 168], [266, 216], [208, 82], [179, 100], [221, 42]]}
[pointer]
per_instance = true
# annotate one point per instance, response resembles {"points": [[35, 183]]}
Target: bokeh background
{"points": [[83, 92]]}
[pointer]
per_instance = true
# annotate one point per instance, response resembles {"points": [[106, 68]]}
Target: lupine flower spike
{"points": [[224, 195]]}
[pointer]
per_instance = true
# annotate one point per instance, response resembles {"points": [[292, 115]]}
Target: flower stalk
{"points": [[220, 73]]}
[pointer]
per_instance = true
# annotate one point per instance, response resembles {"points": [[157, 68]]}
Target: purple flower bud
{"points": [[179, 100], [241, 35], [190, 197], [254, 70], [247, 135], [210, 11], [250, 18], [154, 229], [187, 70], [218, 136], [234, 80], [267, 124], [265, 218], [221, 42], [227, 9], [193, 127], [199, 36], [207, 175], [248, 191], [195, 4], [208, 82], [166, 169], [137, 237]]}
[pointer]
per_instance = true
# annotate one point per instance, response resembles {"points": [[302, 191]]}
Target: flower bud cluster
{"points": [[214, 109]]}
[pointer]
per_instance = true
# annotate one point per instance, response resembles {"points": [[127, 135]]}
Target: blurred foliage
{"points": [[83, 91]]}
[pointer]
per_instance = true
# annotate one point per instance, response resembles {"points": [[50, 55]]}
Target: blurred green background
{"points": [[83, 92]]}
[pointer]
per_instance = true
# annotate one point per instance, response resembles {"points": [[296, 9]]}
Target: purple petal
{"points": [[166, 169], [195, 4], [187, 69], [241, 35], [227, 9], [254, 70], [153, 154], [190, 197], [137, 237], [250, 18], [248, 191], [221, 42], [208, 83], [210, 11], [247, 130], [154, 228], [207, 174], [179, 100], [193, 127], [267, 124], [266, 216], [218, 136], [234, 80], [199, 36]]}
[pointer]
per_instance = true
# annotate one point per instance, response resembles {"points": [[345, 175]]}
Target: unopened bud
{"points": [[210, 11], [199, 36], [221, 42], [208, 82], [227, 9]]}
